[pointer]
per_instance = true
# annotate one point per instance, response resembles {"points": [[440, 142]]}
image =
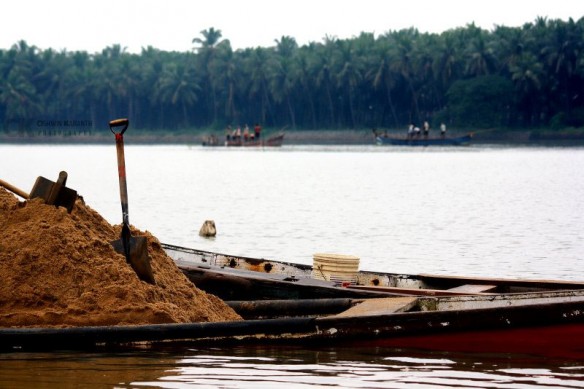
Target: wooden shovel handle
{"points": [[14, 189], [122, 167], [119, 123], [56, 188]]}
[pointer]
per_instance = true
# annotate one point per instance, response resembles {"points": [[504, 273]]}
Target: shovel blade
{"points": [[65, 196], [138, 257], [42, 188]]}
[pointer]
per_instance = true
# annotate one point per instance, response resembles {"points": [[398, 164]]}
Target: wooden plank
{"points": [[409, 291], [547, 284], [473, 289], [379, 306]]}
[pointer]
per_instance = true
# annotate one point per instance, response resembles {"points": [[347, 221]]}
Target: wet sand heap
{"points": [[59, 269]]}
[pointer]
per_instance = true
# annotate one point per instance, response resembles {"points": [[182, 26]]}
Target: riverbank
{"points": [[293, 137]]}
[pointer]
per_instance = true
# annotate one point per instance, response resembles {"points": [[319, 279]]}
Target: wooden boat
{"points": [[388, 310], [542, 323], [421, 140], [233, 277], [273, 141]]}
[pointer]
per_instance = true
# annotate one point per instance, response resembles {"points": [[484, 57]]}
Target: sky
{"points": [[172, 24]]}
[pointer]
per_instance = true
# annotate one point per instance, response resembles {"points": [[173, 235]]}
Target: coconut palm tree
{"points": [[206, 48], [323, 68], [256, 64], [282, 80], [177, 88], [349, 73], [526, 74], [403, 43], [480, 58]]}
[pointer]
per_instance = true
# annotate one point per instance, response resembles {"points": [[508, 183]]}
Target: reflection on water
{"points": [[255, 367]]}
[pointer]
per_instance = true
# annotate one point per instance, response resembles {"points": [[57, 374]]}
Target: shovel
{"points": [[54, 193], [134, 248]]}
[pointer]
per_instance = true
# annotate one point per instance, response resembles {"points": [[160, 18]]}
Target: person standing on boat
{"points": [[426, 129], [246, 133], [443, 130], [410, 130], [227, 133], [257, 131], [417, 131]]}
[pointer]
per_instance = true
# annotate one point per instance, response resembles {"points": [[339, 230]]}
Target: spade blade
{"points": [[138, 257]]}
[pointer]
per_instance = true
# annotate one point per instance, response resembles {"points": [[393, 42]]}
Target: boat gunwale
{"points": [[376, 281], [313, 328]]}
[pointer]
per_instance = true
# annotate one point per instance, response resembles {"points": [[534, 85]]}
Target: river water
{"points": [[483, 210]]}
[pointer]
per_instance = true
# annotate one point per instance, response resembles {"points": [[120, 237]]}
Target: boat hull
{"points": [[535, 317], [555, 341], [424, 141], [274, 141], [555, 330], [243, 278]]}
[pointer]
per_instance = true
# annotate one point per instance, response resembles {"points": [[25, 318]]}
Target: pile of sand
{"points": [[59, 269]]}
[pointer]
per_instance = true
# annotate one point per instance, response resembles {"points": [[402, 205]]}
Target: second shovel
{"points": [[134, 248]]}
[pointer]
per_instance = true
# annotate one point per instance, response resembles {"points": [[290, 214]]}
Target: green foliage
{"points": [[558, 121], [529, 76], [481, 102]]}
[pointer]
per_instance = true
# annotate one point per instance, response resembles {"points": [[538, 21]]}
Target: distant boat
{"points": [[273, 141], [421, 140]]}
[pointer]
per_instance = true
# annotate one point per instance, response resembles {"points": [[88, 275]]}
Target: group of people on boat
{"points": [[237, 135], [415, 131]]}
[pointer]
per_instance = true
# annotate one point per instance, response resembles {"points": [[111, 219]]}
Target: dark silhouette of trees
{"points": [[523, 77]]}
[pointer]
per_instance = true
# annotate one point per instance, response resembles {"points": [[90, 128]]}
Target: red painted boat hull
{"points": [[560, 341]]}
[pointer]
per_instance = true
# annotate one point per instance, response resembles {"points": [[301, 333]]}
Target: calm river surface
{"points": [[501, 211]]}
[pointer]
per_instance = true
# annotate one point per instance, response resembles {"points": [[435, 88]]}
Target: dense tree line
{"points": [[529, 76]]}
